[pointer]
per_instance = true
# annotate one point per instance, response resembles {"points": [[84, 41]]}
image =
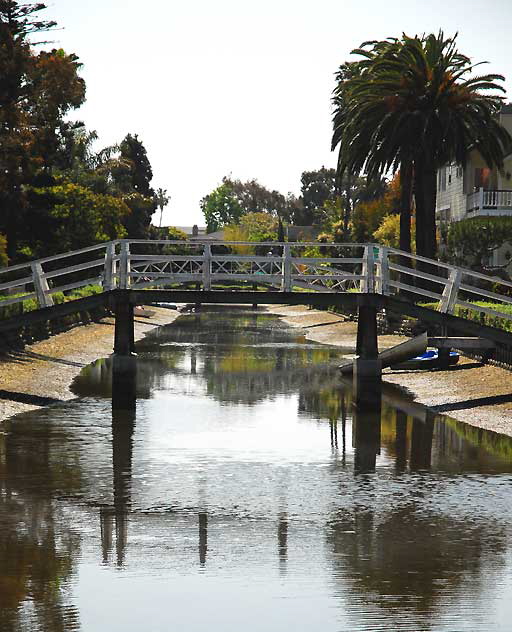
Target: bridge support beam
{"points": [[367, 372], [124, 338], [367, 349]]}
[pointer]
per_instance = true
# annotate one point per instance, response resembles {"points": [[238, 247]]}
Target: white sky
{"points": [[219, 87]]}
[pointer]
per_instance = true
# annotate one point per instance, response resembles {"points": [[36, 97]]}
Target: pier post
{"points": [[367, 372], [124, 339], [124, 366]]}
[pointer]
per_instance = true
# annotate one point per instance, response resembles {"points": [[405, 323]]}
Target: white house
{"points": [[475, 190]]}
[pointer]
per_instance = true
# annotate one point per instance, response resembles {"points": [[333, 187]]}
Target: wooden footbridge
{"points": [[364, 277]]}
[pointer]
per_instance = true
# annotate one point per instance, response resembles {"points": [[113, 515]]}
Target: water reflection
{"points": [[246, 471], [409, 567], [116, 516], [38, 550]]}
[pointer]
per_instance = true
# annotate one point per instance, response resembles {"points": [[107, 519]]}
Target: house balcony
{"points": [[489, 203]]}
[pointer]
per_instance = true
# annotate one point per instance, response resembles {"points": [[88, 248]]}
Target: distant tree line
{"points": [[321, 203]]}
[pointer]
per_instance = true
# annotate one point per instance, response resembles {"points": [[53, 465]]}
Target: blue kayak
{"points": [[427, 360]]}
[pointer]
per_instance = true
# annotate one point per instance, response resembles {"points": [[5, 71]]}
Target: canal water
{"points": [[246, 492]]}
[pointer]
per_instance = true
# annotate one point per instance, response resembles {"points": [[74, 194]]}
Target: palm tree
{"points": [[162, 199], [412, 104]]}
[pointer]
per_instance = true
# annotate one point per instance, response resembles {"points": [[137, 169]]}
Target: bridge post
{"points": [[368, 272], [451, 289], [124, 340], [287, 269], [367, 371], [41, 286], [207, 261], [124, 268], [109, 269], [383, 268]]}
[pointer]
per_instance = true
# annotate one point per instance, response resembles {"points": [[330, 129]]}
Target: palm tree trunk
{"points": [[425, 194], [406, 176], [348, 206]]}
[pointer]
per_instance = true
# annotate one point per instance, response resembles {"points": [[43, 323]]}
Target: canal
{"points": [[246, 492]]}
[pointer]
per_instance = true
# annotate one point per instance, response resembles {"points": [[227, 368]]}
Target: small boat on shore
{"points": [[427, 360]]}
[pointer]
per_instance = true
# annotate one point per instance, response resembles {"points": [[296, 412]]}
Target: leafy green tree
{"points": [[57, 88], [221, 207], [260, 226], [254, 227], [36, 91], [472, 241], [316, 188], [77, 217], [138, 220], [388, 232], [368, 217], [255, 198], [175, 234], [412, 104], [134, 152], [136, 181]]}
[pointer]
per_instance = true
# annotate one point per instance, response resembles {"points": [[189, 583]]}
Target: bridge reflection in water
{"points": [[412, 440]]}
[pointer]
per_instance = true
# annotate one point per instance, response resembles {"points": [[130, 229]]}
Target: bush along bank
{"points": [[16, 339]]}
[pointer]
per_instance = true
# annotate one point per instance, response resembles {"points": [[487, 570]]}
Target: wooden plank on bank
{"points": [[461, 342]]}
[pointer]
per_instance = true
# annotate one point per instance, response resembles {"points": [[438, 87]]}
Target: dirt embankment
{"points": [[42, 373], [477, 394]]}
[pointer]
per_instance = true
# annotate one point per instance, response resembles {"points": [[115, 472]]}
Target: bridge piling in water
{"points": [[367, 371], [124, 339]]}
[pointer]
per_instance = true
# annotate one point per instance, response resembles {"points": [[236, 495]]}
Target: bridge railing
{"points": [[290, 267], [44, 278], [450, 287]]}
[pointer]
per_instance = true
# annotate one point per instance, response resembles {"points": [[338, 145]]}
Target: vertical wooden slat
{"points": [[207, 262], [109, 280], [287, 269], [41, 285], [124, 267], [450, 292]]}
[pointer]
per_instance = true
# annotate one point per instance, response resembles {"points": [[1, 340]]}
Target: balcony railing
{"points": [[494, 202]]}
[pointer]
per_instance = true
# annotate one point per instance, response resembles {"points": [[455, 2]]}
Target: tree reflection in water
{"points": [[407, 565], [38, 549]]}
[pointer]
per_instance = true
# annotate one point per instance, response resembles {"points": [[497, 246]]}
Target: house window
{"points": [[482, 178]]}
